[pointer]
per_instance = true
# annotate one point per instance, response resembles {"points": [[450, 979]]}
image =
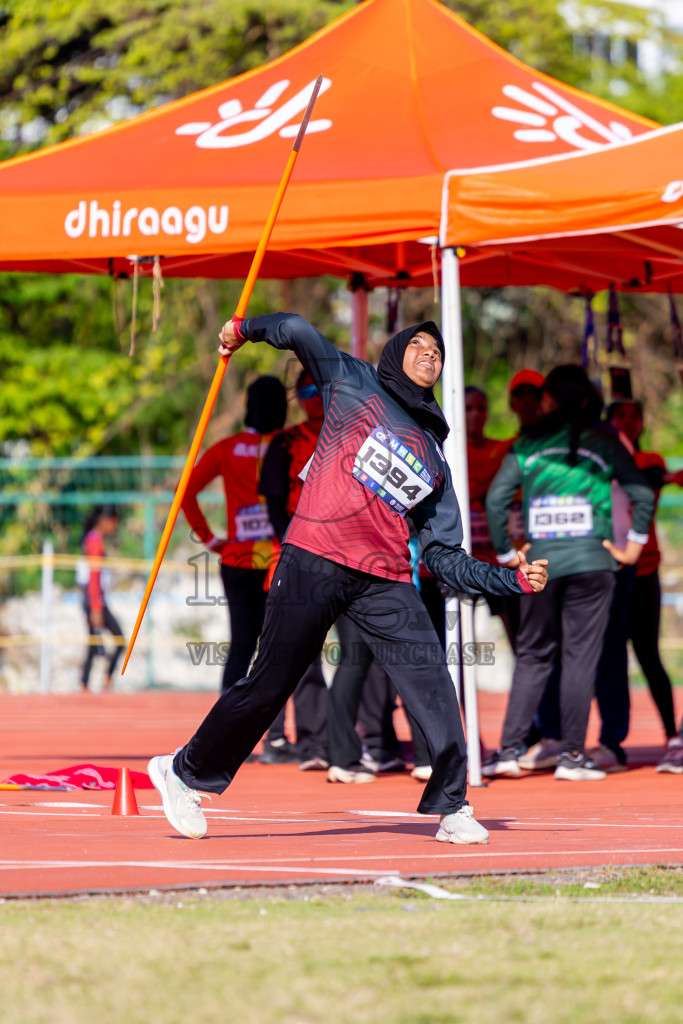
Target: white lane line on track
{"points": [[227, 813], [172, 866], [55, 814], [589, 824], [394, 814], [290, 865], [218, 816], [64, 803]]}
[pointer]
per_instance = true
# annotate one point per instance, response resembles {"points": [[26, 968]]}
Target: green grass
{"points": [[342, 955]]}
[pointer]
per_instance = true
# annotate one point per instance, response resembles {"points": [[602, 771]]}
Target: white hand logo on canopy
{"points": [[554, 118], [271, 119]]}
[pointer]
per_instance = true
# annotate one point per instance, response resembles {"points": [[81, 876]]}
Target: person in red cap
{"points": [[484, 458], [525, 391]]}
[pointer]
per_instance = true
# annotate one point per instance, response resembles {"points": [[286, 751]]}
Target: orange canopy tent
{"points": [[410, 91], [576, 221], [612, 216]]}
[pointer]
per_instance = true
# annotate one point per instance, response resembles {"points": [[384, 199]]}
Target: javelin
{"points": [[221, 368]]}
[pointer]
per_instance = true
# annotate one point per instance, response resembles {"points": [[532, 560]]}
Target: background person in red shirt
{"points": [[102, 522], [484, 458], [646, 596], [280, 484], [525, 392], [246, 550]]}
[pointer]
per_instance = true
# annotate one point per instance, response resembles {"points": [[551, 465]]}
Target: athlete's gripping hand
{"points": [[535, 572], [230, 337]]}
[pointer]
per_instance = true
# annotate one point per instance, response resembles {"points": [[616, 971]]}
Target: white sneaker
{"points": [[182, 805], [461, 827], [577, 768], [672, 760], [422, 772], [503, 763], [543, 754], [354, 773], [392, 764]]}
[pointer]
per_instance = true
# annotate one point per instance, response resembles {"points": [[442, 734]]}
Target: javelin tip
{"points": [[307, 116]]}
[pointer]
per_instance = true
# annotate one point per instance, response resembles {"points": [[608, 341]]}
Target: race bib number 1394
{"points": [[391, 471]]}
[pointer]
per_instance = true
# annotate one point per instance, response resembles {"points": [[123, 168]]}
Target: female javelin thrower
{"points": [[378, 460]]}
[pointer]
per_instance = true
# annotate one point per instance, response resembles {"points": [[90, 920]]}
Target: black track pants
{"points": [[246, 606], [308, 594], [111, 624], [570, 620], [644, 614]]}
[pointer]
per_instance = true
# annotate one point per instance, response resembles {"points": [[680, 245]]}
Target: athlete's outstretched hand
{"points": [[229, 342], [535, 572]]}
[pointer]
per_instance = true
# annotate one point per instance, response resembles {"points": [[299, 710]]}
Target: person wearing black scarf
{"points": [[378, 461], [418, 401]]}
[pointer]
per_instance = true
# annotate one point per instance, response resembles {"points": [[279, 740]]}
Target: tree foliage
{"points": [[69, 385], [67, 67]]}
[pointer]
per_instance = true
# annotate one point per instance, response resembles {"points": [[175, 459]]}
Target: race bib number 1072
{"points": [[252, 523], [391, 471]]}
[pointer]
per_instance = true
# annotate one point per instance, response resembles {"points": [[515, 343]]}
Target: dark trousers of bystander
{"points": [[569, 621], [355, 658], [308, 594], [611, 678], [111, 624], [643, 627], [246, 607], [362, 690]]}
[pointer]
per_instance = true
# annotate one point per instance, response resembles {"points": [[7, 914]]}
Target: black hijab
{"points": [[579, 406], [419, 402], [266, 405]]}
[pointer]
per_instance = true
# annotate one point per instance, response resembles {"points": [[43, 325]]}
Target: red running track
{"points": [[278, 825]]}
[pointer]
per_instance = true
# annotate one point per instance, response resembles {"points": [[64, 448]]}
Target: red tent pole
{"points": [[220, 370]]}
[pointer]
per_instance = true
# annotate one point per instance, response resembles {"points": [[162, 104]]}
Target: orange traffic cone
{"points": [[124, 797]]}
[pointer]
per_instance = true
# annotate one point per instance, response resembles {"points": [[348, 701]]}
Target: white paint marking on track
{"points": [[289, 865], [394, 814], [174, 866], [64, 803], [216, 814], [56, 814], [591, 824], [380, 816]]}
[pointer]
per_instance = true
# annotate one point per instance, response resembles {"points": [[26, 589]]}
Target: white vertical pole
{"points": [[455, 450], [47, 572], [450, 383], [359, 317]]}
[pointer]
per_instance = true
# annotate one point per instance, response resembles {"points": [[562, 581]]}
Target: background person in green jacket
{"points": [[565, 466]]}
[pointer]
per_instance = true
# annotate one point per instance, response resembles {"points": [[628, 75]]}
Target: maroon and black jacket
{"points": [[338, 516]]}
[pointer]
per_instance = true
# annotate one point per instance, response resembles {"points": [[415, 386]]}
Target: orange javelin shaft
{"points": [[220, 371]]}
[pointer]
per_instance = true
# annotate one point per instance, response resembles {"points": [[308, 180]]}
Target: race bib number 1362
{"points": [[558, 516]]}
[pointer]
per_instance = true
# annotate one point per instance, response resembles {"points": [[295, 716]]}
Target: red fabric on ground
{"points": [[81, 776]]}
